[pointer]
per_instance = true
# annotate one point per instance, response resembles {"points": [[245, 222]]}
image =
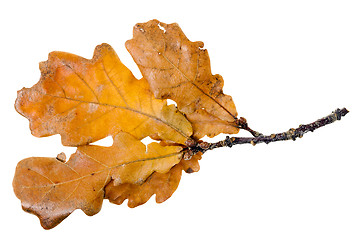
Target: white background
{"points": [[284, 63]]}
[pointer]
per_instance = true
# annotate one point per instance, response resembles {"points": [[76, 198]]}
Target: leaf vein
{"points": [[121, 107]]}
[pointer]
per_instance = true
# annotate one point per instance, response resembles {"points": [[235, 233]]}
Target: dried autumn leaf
{"points": [[86, 100], [52, 189], [161, 184], [179, 69]]}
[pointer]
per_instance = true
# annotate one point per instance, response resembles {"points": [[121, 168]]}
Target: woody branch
{"points": [[291, 134]]}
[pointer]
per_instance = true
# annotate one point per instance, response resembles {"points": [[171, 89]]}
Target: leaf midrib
{"points": [[120, 107], [109, 168], [184, 75], [195, 85]]}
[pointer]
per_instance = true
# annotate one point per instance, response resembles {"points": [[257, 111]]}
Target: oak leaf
{"points": [[86, 100], [179, 69], [52, 189]]}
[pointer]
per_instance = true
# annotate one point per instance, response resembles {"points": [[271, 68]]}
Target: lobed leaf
{"points": [[179, 69], [86, 100], [53, 189]]}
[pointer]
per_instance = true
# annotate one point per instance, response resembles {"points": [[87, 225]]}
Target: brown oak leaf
{"points": [[179, 69], [52, 189]]}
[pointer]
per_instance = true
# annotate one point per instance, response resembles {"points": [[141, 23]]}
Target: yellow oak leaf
{"points": [[86, 100]]}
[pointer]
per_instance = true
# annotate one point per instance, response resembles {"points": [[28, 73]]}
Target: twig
{"points": [[291, 134], [242, 124]]}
